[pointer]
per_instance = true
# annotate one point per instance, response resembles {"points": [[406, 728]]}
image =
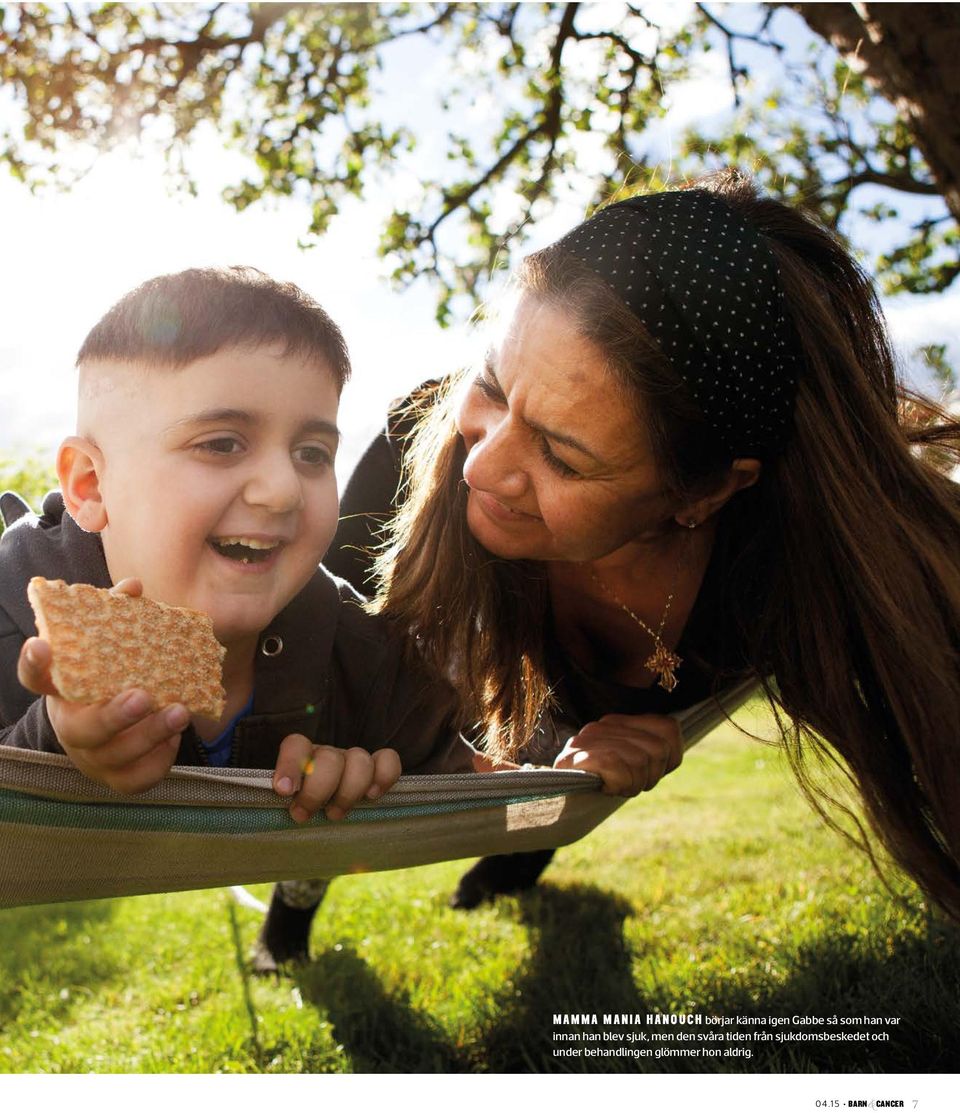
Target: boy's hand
{"points": [[330, 778], [629, 752], [120, 742]]}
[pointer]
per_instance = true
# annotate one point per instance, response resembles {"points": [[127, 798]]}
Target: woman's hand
{"points": [[121, 742], [631, 753], [330, 778]]}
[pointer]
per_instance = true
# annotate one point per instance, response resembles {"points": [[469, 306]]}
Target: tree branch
{"points": [[443, 17], [730, 37], [548, 125], [615, 37], [903, 184], [264, 16]]}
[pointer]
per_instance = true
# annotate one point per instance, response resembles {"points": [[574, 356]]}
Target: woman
{"points": [[683, 462]]}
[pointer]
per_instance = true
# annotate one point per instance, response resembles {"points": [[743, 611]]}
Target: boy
{"points": [[202, 469]]}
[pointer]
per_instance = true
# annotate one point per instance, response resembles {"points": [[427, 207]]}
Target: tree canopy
{"points": [[849, 110]]}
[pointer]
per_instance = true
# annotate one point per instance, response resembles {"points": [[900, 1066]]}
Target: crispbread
{"points": [[105, 643]]}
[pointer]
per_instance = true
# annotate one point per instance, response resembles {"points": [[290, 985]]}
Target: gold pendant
{"points": [[664, 662]]}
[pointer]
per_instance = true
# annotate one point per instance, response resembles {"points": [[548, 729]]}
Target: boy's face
{"points": [[217, 481]]}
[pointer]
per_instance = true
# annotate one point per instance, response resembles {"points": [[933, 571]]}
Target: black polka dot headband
{"points": [[707, 289]]}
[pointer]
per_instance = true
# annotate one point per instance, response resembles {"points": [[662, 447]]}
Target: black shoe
{"points": [[500, 873], [284, 937]]}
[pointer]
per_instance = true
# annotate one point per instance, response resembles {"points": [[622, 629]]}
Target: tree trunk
{"points": [[910, 53]]}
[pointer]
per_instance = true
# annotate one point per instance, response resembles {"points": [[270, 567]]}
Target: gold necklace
{"points": [[662, 661]]}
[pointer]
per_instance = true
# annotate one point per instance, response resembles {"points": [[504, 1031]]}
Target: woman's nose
{"points": [[493, 462]]}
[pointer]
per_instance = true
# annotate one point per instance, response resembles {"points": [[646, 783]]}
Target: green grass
{"points": [[31, 478], [719, 893]]}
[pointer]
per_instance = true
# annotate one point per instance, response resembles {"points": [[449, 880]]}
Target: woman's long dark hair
{"points": [[843, 580]]}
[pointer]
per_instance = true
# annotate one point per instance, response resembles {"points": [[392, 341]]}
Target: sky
{"points": [[68, 256]]}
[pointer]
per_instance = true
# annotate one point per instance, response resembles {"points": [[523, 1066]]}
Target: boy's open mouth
{"points": [[245, 550]]}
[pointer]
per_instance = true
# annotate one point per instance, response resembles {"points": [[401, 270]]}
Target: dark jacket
{"points": [[339, 678]]}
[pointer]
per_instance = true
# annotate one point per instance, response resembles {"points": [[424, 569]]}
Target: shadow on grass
{"points": [[914, 979], [384, 1033], [48, 947], [579, 963], [379, 1033]]}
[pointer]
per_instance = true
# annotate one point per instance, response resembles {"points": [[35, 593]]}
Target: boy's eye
{"points": [[221, 446], [314, 455]]}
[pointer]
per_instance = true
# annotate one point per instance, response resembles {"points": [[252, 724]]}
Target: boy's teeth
{"points": [[247, 542], [244, 550]]}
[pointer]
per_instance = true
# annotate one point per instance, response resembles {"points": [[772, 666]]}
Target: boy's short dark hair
{"points": [[175, 319]]}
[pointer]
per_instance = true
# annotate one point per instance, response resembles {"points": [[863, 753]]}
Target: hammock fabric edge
{"points": [[64, 838]]}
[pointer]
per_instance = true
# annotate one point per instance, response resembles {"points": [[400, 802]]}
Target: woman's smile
{"points": [[558, 465], [498, 510]]}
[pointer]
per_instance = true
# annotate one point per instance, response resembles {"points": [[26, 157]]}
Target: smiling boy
{"points": [[203, 470]]}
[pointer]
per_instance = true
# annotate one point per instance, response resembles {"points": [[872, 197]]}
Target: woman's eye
{"points": [[314, 455], [488, 389], [555, 463]]}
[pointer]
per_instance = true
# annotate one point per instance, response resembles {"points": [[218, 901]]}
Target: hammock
{"points": [[64, 837]]}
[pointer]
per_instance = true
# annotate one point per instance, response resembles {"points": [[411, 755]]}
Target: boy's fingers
{"points": [[387, 770], [131, 746], [330, 778], [138, 776], [150, 771], [130, 586], [355, 779], [293, 757], [90, 726], [322, 774], [33, 667]]}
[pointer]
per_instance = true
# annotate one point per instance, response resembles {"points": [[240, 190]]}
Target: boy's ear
{"points": [[79, 468]]}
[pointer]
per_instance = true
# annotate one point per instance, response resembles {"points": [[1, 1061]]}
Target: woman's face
{"points": [[559, 467]]}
